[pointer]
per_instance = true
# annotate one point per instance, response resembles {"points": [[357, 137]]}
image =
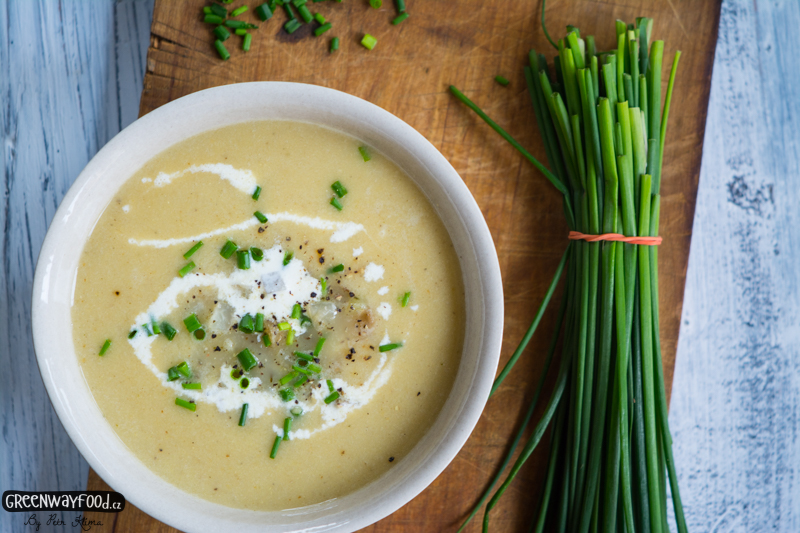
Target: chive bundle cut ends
{"points": [[603, 127]]}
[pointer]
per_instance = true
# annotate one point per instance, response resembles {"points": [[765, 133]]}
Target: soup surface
{"points": [[378, 280]]}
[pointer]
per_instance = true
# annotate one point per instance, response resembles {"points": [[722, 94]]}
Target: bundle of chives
{"points": [[603, 128]]}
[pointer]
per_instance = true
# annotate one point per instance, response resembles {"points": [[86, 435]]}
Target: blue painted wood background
{"points": [[70, 79]]}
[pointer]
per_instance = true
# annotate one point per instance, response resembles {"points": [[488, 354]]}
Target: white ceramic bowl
{"points": [[84, 203]]}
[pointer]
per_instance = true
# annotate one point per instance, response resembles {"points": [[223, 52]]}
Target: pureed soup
{"points": [[303, 348]]}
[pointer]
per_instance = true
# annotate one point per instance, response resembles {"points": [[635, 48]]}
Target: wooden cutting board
{"points": [[465, 43]]}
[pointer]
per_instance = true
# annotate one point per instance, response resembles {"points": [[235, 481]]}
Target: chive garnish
{"points": [[259, 323], [274, 451], [133, 333], [336, 203], [301, 370], [169, 331], [369, 41], [257, 192], [199, 334], [172, 374], [364, 153], [263, 12], [315, 368], [155, 327], [404, 299], [399, 18], [283, 326], [261, 217], [337, 268], [287, 425], [193, 249], [296, 311], [218, 10], [287, 257], [323, 282], [186, 269], [318, 347], [332, 397], [304, 356], [296, 411], [246, 42], [212, 19], [246, 324], [376, 4], [207, 10], [222, 33], [292, 26], [186, 405], [237, 24], [228, 249], [287, 395], [266, 340], [240, 31], [247, 359], [331, 388], [192, 323], [236, 373], [106, 346], [184, 370], [290, 337], [389, 347], [401, 5], [290, 13], [501, 80], [287, 378], [146, 328], [244, 383], [339, 189], [322, 29], [191, 386], [243, 416], [300, 382], [243, 259], [304, 13], [334, 44], [256, 253], [221, 50], [319, 18], [238, 11]]}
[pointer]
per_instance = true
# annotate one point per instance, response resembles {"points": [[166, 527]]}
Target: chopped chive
{"points": [[300, 382], [243, 259], [243, 416], [259, 323], [296, 311], [364, 153], [222, 33], [207, 11], [369, 41], [257, 192], [240, 32], [236, 24], [172, 374], [323, 282], [304, 356], [236, 373], [399, 18], [501, 80], [228, 249], [221, 50], [186, 405], [287, 378], [283, 326], [337, 268], [290, 337], [106, 346], [322, 29], [193, 249], [266, 340], [287, 425], [256, 253], [305, 14], [155, 327], [261, 217], [298, 3], [238, 11], [290, 12], [213, 19], [191, 386], [274, 451], [146, 328], [247, 359], [296, 411], [287, 257], [404, 299], [331, 388], [339, 189], [246, 42], [334, 44], [319, 345], [315, 368], [184, 370], [287, 395], [133, 333], [244, 383], [292, 26], [169, 331], [376, 4], [336, 203], [186, 269], [199, 334], [263, 12], [319, 18], [192, 323], [218, 10], [246, 324], [332, 397], [389, 347]]}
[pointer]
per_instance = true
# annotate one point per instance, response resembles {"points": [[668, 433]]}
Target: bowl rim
{"points": [[151, 494]]}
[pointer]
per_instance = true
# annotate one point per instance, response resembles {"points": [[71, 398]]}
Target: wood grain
{"points": [[467, 43]]}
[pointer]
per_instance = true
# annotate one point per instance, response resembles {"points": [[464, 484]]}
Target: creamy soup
{"points": [[217, 375]]}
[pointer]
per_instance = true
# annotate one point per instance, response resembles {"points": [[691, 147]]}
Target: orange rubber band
{"points": [[647, 241]]}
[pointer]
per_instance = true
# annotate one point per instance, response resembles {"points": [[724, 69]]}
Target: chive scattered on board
{"points": [[319, 18], [400, 5], [193, 249], [222, 33], [240, 24], [238, 11], [322, 29], [264, 12], [399, 18], [364, 151], [186, 405], [501, 80], [186, 269], [105, 347], [389, 347], [221, 50], [218, 10], [243, 416], [334, 44], [248, 38], [213, 19], [240, 32], [368, 41], [305, 13], [228, 249], [292, 26]]}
